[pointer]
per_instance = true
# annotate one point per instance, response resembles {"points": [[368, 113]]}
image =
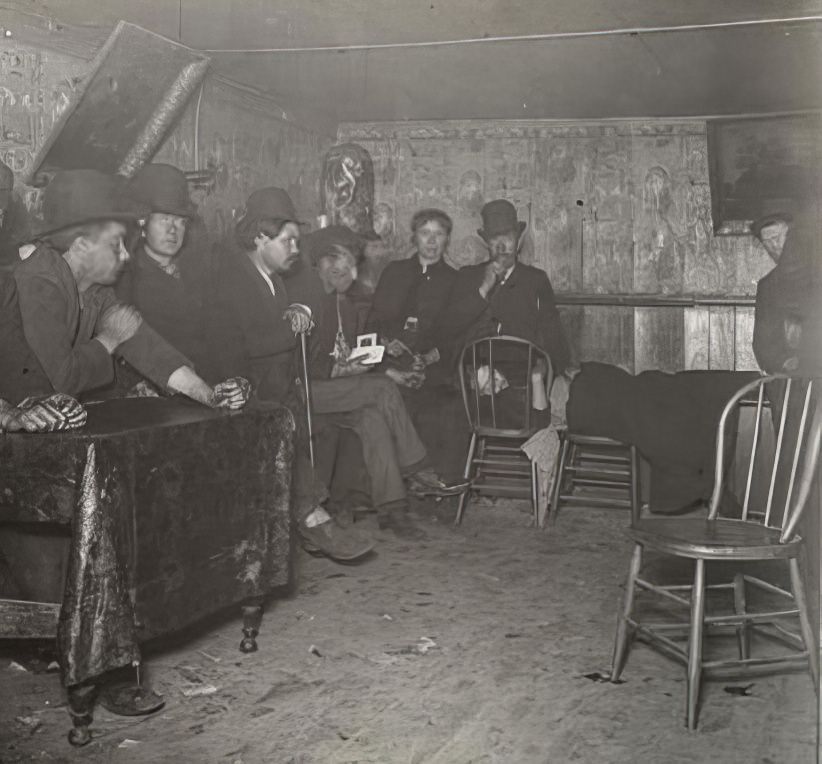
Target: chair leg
{"points": [[559, 476], [535, 493], [743, 631], [695, 642], [635, 497], [624, 631], [804, 620], [466, 474]]}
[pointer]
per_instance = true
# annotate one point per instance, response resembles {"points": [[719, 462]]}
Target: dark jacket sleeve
{"points": [[152, 356], [550, 326], [388, 300], [226, 336], [20, 372], [465, 308], [70, 369]]}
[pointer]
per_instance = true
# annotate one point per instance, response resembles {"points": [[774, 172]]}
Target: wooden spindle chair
{"points": [[762, 530], [501, 421]]}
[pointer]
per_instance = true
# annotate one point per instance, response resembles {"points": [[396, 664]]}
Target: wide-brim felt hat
{"points": [[315, 244], [498, 217], [271, 203], [75, 197], [161, 188]]}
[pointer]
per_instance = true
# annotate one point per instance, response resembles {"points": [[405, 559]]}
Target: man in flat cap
{"points": [[504, 296], [71, 317]]}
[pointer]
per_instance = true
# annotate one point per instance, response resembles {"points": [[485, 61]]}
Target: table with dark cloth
{"points": [[670, 418], [176, 511]]}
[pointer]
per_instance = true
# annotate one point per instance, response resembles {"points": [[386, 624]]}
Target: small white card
{"points": [[368, 354]]}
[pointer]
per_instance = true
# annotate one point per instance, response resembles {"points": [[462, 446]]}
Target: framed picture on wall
{"points": [[760, 166], [137, 87]]}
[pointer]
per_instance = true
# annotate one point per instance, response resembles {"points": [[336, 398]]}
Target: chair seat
{"points": [[719, 539]]}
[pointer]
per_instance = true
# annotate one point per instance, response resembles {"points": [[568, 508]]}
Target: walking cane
{"points": [[303, 344]]}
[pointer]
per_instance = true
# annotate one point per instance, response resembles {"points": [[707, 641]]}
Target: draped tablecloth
{"points": [[176, 511]]}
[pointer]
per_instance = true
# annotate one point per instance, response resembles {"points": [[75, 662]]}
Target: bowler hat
{"points": [[499, 216], [161, 188], [75, 197], [272, 203]]}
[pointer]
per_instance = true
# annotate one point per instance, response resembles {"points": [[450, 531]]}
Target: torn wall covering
{"points": [[613, 208], [243, 136]]}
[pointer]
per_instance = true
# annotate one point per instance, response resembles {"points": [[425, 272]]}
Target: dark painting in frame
{"points": [[136, 88], [761, 166]]}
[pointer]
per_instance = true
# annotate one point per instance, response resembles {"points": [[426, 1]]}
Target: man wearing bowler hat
{"points": [[167, 279], [72, 319], [504, 296]]}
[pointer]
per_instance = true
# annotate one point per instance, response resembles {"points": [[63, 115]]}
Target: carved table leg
{"points": [[252, 617], [81, 698]]}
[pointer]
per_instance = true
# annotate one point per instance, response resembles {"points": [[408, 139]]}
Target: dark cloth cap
{"points": [[499, 216], [161, 188], [315, 244], [75, 197], [272, 203]]}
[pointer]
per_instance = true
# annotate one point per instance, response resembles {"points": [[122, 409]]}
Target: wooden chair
{"points": [[501, 421], [586, 462], [763, 529]]}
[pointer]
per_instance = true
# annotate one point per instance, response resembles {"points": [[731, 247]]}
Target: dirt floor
{"points": [[472, 646]]}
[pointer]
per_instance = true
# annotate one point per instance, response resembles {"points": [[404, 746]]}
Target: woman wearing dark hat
{"points": [[254, 325]]}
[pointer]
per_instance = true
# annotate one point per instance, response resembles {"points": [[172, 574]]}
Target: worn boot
{"points": [[321, 534], [428, 483]]}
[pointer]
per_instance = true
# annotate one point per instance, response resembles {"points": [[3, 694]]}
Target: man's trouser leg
{"points": [[376, 390]]}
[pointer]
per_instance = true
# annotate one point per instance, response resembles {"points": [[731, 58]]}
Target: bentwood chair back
{"points": [[758, 526], [497, 377]]}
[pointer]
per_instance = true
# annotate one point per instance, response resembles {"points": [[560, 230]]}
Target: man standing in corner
{"points": [[504, 296]]}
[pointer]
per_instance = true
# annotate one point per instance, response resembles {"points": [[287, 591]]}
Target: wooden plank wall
{"points": [[613, 208]]}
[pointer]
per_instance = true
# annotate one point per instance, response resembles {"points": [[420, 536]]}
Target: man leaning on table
{"points": [[72, 319]]}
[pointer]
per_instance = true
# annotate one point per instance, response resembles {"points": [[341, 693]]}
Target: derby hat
{"points": [[161, 188], [498, 217], [75, 197], [271, 203]]}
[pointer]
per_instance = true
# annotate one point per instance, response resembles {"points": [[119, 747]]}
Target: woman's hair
{"points": [[337, 253], [247, 229], [426, 216]]}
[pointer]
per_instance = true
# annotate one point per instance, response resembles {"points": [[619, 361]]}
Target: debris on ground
{"points": [[196, 690], [422, 647], [128, 743], [31, 723], [740, 690]]}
